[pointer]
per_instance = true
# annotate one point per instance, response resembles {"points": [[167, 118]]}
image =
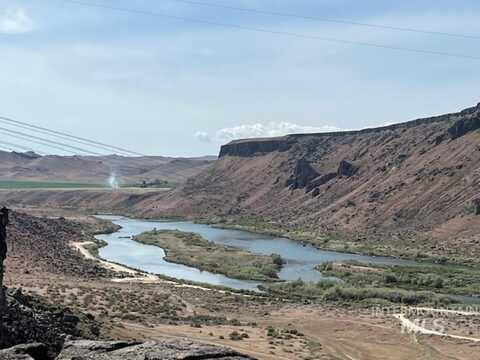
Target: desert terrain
{"points": [[407, 191], [275, 328]]}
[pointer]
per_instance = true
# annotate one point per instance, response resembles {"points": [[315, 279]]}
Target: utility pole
{"points": [[3, 254]]}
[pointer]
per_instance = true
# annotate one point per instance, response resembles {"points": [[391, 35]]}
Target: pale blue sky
{"points": [[168, 87]]}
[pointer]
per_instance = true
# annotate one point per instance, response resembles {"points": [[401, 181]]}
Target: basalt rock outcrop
{"points": [[476, 206], [319, 181], [33, 351], [165, 350], [123, 350], [28, 319], [470, 121], [3, 254], [346, 169], [303, 174], [255, 146]]}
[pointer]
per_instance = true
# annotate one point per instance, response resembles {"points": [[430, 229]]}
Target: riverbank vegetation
{"points": [[193, 250], [440, 279], [331, 291], [357, 283]]}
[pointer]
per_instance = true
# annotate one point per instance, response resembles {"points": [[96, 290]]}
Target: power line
{"points": [[6, 148], [32, 127], [337, 21], [274, 32], [76, 148], [16, 145], [38, 142], [65, 136]]}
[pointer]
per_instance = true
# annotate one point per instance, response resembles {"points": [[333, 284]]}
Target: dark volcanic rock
{"points": [[28, 319], [315, 192], [476, 206], [346, 169], [165, 350], [253, 147], [319, 181], [464, 126], [33, 351], [303, 174]]}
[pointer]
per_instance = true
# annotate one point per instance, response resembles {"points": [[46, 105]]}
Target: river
{"points": [[300, 258]]}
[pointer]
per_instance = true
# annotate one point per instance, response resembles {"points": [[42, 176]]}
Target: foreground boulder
{"points": [[34, 351], [165, 350], [28, 319]]}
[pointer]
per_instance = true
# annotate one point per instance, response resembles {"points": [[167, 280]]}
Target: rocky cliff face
{"points": [[255, 146], [409, 186], [459, 124]]}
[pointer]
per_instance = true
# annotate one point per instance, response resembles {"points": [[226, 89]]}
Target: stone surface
{"points": [[346, 169], [165, 350], [464, 126], [303, 174], [29, 319], [253, 147], [3, 254], [321, 180], [33, 351], [476, 206]]}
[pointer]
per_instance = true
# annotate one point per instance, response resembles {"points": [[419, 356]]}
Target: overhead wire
{"points": [[274, 32], [329, 20], [69, 137], [54, 144]]}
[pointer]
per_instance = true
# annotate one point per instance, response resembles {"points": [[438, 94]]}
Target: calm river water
{"points": [[300, 259]]}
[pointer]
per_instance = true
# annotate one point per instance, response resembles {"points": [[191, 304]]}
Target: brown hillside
{"points": [[30, 166], [397, 185]]}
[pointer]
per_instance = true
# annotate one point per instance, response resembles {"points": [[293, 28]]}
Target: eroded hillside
{"points": [[407, 188]]}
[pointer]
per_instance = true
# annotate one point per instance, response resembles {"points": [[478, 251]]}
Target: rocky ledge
{"points": [[122, 350], [461, 123]]}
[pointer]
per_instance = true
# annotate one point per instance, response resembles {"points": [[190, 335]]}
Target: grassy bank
{"points": [[441, 279], [328, 291], [193, 250]]}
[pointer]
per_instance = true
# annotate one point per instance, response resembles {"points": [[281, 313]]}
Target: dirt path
{"points": [[139, 276], [80, 246]]}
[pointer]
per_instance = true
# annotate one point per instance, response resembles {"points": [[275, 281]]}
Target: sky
{"points": [[161, 85]]}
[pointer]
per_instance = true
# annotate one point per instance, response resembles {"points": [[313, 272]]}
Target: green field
{"points": [[19, 184]]}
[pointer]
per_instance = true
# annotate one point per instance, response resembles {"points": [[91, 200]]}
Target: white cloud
{"points": [[15, 21], [203, 136], [269, 129], [259, 130]]}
